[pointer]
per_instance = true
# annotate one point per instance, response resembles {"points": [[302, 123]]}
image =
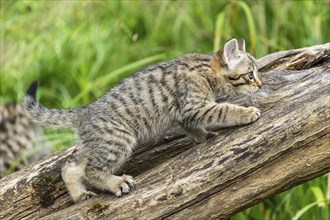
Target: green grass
{"points": [[305, 202], [78, 50]]}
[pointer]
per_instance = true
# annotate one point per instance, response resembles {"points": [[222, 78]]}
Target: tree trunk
{"points": [[242, 166]]}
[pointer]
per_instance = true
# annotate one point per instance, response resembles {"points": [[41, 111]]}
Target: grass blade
{"points": [[218, 30], [251, 24], [305, 209]]}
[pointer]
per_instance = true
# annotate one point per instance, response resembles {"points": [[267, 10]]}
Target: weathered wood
{"points": [[288, 145]]}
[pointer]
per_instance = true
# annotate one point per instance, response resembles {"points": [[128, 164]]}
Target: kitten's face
{"points": [[243, 77], [237, 67]]}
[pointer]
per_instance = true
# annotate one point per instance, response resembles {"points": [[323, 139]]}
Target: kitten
{"points": [[21, 140], [181, 91]]}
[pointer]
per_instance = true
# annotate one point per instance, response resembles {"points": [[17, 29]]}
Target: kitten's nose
{"points": [[259, 84]]}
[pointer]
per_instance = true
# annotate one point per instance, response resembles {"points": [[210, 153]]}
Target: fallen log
{"points": [[242, 166]]}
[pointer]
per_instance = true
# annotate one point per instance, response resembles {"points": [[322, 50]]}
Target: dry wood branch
{"points": [[288, 145]]}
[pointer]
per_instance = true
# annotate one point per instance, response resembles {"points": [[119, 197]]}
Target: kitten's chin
{"points": [[247, 92]]}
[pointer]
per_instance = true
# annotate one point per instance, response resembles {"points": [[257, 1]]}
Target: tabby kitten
{"points": [[181, 91], [21, 140]]}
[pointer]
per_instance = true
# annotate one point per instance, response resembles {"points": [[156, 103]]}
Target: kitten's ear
{"points": [[231, 53], [241, 44]]}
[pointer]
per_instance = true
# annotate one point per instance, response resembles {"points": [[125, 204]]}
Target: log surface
{"points": [[242, 166]]}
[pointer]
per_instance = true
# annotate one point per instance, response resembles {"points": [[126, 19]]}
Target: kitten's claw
{"points": [[254, 114], [129, 180], [124, 185]]}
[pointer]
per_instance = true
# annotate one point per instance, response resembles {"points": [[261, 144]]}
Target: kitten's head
{"points": [[237, 67]]}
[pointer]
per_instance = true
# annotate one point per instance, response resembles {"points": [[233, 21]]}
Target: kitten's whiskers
{"points": [[253, 98]]}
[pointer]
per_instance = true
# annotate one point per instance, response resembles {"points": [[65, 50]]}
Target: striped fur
{"points": [[21, 140], [181, 91]]}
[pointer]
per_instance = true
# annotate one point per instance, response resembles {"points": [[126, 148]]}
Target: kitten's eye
{"points": [[251, 76], [234, 78]]}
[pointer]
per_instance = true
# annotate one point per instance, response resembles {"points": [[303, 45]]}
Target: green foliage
{"points": [[304, 202], [78, 50]]}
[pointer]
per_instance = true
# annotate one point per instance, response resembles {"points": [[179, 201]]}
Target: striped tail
{"points": [[58, 118]]}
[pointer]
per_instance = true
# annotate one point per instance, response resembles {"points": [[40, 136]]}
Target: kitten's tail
{"points": [[58, 118]]}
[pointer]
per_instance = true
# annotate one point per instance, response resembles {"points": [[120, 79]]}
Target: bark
{"points": [[175, 178]]}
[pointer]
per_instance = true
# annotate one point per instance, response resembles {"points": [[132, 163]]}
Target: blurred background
{"points": [[78, 50]]}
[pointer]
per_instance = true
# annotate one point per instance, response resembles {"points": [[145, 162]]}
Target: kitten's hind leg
{"points": [[118, 185], [105, 159], [73, 174], [198, 134]]}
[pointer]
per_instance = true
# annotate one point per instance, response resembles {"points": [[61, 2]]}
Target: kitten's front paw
{"points": [[253, 114]]}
